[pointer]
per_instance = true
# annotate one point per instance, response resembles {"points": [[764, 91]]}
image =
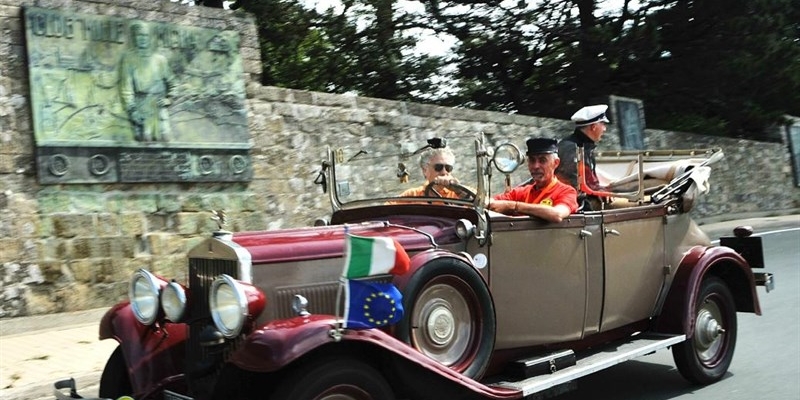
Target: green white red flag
{"points": [[368, 256]]}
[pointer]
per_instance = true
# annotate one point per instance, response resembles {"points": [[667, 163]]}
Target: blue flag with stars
{"points": [[371, 304]]}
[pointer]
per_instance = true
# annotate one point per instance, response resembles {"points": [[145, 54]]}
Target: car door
{"points": [[635, 263], [539, 280]]}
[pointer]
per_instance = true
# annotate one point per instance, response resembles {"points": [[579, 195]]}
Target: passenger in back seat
{"points": [[590, 125]]}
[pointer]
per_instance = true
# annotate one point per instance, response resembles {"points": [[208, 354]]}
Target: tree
{"points": [[721, 66], [725, 67], [363, 47]]}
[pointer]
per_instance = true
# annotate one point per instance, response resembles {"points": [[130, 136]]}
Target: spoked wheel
{"points": [[705, 357], [115, 382], [449, 316], [334, 379]]}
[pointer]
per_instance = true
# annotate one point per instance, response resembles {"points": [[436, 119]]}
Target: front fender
{"points": [[278, 343], [151, 355], [421, 259], [677, 314]]}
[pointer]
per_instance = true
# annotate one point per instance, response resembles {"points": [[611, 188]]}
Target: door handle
{"points": [[612, 232], [584, 234]]}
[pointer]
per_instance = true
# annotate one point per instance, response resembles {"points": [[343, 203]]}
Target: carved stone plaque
{"points": [[122, 100], [629, 116]]}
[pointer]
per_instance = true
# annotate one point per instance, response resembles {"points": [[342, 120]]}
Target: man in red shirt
{"points": [[545, 197]]}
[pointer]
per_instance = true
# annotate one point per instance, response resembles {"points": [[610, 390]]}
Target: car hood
{"points": [[329, 241]]}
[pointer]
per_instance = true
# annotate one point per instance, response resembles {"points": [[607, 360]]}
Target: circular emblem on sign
{"points": [[206, 165], [58, 164], [238, 164], [99, 164]]}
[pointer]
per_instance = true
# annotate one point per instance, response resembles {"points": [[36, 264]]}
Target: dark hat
{"points": [[590, 114], [541, 146]]}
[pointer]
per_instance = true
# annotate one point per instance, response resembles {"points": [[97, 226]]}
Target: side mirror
{"points": [[507, 158]]}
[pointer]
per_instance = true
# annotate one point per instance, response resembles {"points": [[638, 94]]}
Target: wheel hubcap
{"points": [[708, 333], [441, 325]]}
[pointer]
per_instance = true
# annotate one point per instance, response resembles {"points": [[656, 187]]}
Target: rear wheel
{"points": [[115, 381], [706, 356], [334, 379], [449, 316]]}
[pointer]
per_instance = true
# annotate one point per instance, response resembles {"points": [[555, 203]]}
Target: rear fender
{"points": [[677, 313], [151, 354]]}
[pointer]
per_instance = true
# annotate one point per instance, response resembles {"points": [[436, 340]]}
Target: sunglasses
{"points": [[439, 167]]}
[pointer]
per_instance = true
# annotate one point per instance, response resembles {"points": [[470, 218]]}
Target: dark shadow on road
{"points": [[633, 380]]}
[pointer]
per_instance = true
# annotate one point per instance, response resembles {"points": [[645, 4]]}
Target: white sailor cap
{"points": [[590, 114]]}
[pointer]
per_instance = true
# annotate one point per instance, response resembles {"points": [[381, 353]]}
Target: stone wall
{"points": [[73, 247]]}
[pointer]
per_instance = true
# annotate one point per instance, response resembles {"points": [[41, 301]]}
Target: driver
{"points": [[436, 165], [545, 196]]}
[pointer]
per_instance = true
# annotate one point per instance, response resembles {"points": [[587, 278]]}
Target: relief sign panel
{"points": [[123, 100]]}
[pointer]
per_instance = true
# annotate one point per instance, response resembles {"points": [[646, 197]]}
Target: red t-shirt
{"points": [[552, 194]]}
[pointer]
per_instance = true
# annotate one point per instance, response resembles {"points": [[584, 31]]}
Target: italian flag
{"points": [[367, 256]]}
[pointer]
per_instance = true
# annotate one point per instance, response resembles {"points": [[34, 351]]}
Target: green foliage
{"points": [[726, 67], [362, 48]]}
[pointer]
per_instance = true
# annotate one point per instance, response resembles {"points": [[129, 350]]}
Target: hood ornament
{"points": [[222, 220]]}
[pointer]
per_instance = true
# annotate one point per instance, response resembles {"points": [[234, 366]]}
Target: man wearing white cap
{"points": [[590, 125]]}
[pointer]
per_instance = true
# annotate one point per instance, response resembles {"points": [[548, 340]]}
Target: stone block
{"points": [[131, 224], [169, 203], [157, 222], [187, 223], [88, 202], [52, 271], [107, 224], [10, 249], [72, 225], [162, 243], [171, 267], [53, 202], [84, 271]]}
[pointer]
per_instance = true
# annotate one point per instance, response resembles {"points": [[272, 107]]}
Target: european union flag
{"points": [[371, 304]]}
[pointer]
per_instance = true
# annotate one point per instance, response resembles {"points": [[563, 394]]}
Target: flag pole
{"points": [[336, 332]]}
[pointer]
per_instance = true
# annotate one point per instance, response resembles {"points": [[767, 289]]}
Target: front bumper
{"points": [[62, 385]]}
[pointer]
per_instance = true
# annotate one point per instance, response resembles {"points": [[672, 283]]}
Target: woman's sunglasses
{"points": [[439, 167]]}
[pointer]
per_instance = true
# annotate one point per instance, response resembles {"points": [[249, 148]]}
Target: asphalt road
{"points": [[766, 362]]}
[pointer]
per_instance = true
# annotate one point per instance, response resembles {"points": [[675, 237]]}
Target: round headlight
{"points": [[228, 303], [173, 301], [143, 294]]}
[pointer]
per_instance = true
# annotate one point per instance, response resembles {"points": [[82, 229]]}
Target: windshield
{"points": [[381, 172]]}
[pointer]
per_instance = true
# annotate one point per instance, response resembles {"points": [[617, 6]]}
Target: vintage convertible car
{"points": [[493, 306]]}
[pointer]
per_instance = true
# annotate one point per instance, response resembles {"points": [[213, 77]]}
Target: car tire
{"points": [[705, 357], [339, 378], [449, 316], [115, 382]]}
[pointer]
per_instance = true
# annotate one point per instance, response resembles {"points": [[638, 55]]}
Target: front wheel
{"points": [[339, 379], [705, 357], [115, 382]]}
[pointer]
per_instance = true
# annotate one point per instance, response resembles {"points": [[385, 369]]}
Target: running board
{"points": [[598, 359]]}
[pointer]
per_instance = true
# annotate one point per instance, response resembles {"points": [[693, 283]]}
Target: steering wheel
{"points": [[463, 192]]}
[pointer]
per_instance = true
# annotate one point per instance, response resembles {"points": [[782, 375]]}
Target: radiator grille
{"points": [[203, 363]]}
